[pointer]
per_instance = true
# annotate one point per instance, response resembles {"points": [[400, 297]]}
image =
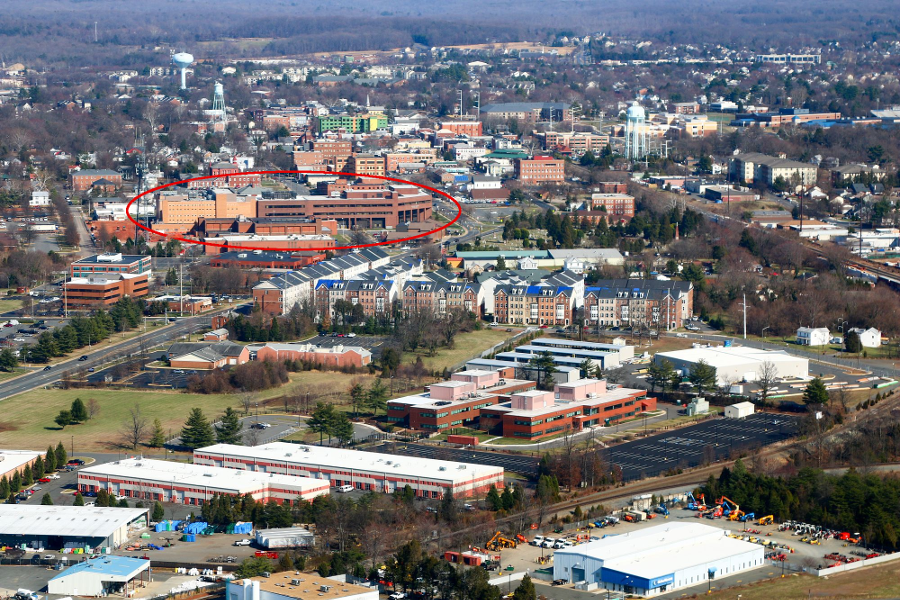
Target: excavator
{"points": [[498, 542], [767, 520]]}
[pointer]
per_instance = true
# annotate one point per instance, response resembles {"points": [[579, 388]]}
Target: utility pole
{"points": [[181, 284], [744, 306], [461, 109]]}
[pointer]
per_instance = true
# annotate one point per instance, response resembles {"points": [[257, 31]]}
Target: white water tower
{"points": [[636, 136], [183, 60]]}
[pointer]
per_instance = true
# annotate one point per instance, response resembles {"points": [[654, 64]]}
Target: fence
{"points": [[866, 562]]}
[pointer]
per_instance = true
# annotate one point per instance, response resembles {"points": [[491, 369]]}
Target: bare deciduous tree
{"points": [[93, 408], [765, 379], [134, 428]]}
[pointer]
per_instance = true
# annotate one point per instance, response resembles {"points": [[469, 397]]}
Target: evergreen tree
{"points": [[78, 411], [506, 499], [229, 430], [703, 376], [815, 392], [63, 418], [525, 590], [501, 264], [357, 397], [158, 436], [493, 499], [50, 463], [449, 510], [61, 457], [123, 503], [852, 342], [4, 488], [660, 374], [79, 499], [15, 484], [158, 511], [8, 360], [102, 498], [46, 500], [197, 432], [37, 469], [377, 396], [342, 428], [27, 476], [321, 420]]}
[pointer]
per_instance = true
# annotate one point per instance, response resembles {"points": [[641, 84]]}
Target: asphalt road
{"points": [[97, 358]]}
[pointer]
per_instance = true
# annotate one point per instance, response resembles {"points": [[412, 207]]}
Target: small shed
{"points": [[739, 410], [698, 406]]}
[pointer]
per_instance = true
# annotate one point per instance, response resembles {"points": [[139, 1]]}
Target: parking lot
{"points": [[690, 446], [709, 440], [371, 343]]}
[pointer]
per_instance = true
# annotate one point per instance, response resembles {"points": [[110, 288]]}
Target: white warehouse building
{"points": [[736, 363], [194, 484], [657, 559], [56, 527], [386, 473]]}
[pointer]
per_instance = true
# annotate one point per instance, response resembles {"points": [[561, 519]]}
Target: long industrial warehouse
{"points": [[56, 527], [363, 470], [193, 484]]}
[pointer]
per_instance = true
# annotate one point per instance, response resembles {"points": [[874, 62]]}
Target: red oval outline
{"points": [[238, 248]]}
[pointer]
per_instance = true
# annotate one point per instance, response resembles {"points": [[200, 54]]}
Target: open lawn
{"points": [[27, 420], [881, 581], [467, 346], [4, 375], [8, 304]]}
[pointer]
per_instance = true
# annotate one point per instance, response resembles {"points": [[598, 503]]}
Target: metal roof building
{"points": [[68, 526], [15, 460], [657, 559], [193, 484], [102, 576], [363, 470], [736, 363], [292, 586]]}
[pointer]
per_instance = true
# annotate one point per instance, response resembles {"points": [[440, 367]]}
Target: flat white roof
{"points": [[11, 460], [663, 550], [66, 521], [343, 459], [733, 356], [164, 472]]}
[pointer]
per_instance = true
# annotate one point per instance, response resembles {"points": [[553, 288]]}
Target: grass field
{"points": [[27, 420], [468, 345], [8, 304], [4, 375], [882, 581]]}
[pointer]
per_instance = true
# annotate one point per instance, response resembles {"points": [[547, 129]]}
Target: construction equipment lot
{"points": [[804, 555]]}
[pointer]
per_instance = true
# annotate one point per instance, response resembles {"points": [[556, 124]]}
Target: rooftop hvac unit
{"points": [[324, 588], [207, 474], [295, 582], [442, 468]]}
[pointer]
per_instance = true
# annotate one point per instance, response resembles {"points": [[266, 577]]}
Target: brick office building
{"points": [[96, 291], [335, 153], [540, 169], [84, 179], [571, 406], [619, 207], [110, 262], [335, 357], [454, 403]]}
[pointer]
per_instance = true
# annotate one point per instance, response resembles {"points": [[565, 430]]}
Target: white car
{"points": [[89, 504], [243, 542], [548, 542], [538, 540], [397, 596], [121, 497], [52, 476]]}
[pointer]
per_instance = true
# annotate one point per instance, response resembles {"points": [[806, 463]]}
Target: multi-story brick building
{"points": [[570, 407], [365, 164], [751, 167], [335, 152], [640, 302], [83, 180], [540, 169], [528, 112], [360, 205], [467, 128], [534, 305], [454, 403], [109, 263], [97, 291], [574, 142], [611, 187], [375, 297], [215, 203], [619, 207], [225, 175]]}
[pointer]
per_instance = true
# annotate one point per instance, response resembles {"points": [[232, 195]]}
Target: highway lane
{"points": [[97, 358]]}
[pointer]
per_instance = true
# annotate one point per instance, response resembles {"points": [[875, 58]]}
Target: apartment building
{"points": [[441, 297], [280, 294], [644, 302], [751, 167], [528, 112], [376, 298], [540, 169], [336, 153], [785, 59], [467, 128], [534, 305]]}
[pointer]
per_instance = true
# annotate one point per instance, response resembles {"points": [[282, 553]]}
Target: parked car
{"points": [[120, 497], [559, 582], [243, 542], [538, 540], [86, 504], [75, 461], [44, 480], [52, 476]]}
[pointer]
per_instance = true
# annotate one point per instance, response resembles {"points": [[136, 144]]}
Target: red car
{"points": [[45, 480]]}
